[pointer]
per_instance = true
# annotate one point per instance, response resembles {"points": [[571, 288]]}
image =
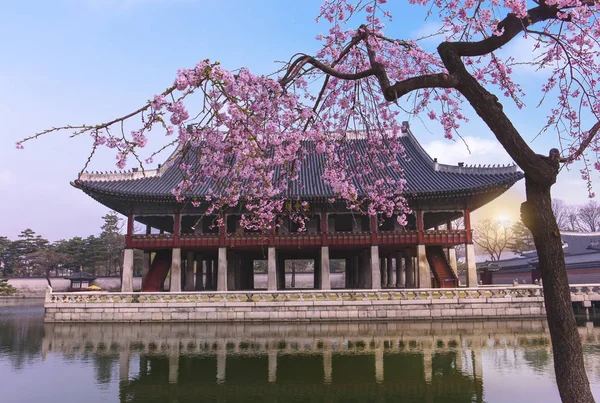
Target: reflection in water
{"points": [[21, 332], [338, 362]]}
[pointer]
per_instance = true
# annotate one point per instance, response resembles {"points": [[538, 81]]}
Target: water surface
{"points": [[477, 361]]}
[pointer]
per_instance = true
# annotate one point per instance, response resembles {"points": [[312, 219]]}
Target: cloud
{"points": [[473, 150]]}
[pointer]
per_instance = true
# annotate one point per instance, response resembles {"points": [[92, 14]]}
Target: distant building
{"points": [[582, 260]]}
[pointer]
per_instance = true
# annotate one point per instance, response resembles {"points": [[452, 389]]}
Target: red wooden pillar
{"points": [[468, 226], [324, 240], [130, 219], [272, 233], [176, 228], [420, 235], [374, 230], [222, 230]]}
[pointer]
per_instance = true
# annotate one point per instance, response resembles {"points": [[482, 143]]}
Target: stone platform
{"points": [[299, 306]]}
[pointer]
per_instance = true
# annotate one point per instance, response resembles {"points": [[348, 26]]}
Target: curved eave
{"points": [[496, 188]]}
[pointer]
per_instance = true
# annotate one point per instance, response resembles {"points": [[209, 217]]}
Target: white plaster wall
{"points": [[36, 286]]}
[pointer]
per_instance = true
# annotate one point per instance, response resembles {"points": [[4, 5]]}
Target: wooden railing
{"points": [[301, 239]]}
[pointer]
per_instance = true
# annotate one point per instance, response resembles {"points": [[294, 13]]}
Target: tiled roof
{"points": [[580, 242], [424, 177]]}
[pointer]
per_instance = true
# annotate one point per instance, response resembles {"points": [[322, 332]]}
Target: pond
{"points": [[468, 361]]}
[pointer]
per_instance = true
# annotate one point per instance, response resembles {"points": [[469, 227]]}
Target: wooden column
{"points": [[390, 272], [410, 270], [130, 221], [189, 272], [420, 226], [209, 275], [231, 275], [199, 286], [467, 214], [176, 228]]}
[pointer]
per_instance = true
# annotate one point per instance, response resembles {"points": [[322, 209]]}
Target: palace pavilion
{"points": [[182, 243]]}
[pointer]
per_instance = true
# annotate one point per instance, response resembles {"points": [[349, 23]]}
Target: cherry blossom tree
{"points": [[245, 131]]}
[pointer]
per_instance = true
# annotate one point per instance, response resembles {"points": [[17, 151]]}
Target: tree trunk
{"points": [[571, 378]]}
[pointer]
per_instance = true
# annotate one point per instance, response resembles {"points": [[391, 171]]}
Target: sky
{"points": [[87, 61]]}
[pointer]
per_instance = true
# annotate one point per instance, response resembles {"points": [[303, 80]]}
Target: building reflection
{"points": [[382, 362]]}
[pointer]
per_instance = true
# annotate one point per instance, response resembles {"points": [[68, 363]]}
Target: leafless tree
{"points": [[493, 237], [589, 217]]}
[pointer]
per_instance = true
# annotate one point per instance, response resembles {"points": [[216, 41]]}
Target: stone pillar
{"points": [[176, 271], [382, 271], [272, 366], [209, 275], [400, 275], [471, 268], [452, 260], [146, 264], [327, 362], [390, 272], [221, 362], [189, 272], [427, 364], [199, 286], [379, 364], [222, 270], [459, 359], [127, 271], [173, 366], [424, 269], [477, 363], [375, 266], [272, 270], [124, 363], [325, 280]]}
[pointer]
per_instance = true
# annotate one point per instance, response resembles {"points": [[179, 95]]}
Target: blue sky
{"points": [[86, 61]]}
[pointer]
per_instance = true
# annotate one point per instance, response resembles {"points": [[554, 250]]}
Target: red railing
{"points": [[159, 241]]}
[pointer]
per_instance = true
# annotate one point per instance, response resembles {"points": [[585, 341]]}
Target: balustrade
{"points": [[365, 238], [317, 296]]}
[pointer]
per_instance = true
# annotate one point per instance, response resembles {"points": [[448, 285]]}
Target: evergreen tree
{"points": [[522, 240], [113, 242]]}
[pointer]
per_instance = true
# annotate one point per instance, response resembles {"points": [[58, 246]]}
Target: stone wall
{"points": [[297, 311], [35, 287]]}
